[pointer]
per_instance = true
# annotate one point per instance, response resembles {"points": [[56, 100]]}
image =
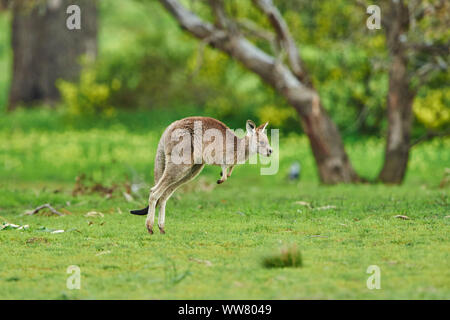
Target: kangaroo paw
{"points": [[219, 181], [161, 230], [150, 230]]}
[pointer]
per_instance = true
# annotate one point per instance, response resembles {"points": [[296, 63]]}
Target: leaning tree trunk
{"points": [[328, 149], [45, 50]]}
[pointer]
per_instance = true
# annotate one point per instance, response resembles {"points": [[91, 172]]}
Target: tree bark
{"points": [[333, 163], [399, 109], [45, 50], [400, 97]]}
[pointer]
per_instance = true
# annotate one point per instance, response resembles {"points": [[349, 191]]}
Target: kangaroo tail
{"points": [[140, 212]]}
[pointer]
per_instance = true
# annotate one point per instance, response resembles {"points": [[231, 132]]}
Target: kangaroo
{"points": [[195, 134]]}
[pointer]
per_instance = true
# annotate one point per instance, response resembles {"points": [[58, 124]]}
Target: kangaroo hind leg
{"points": [[172, 174], [195, 170]]}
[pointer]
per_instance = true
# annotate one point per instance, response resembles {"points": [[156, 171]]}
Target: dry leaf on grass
{"points": [[94, 214], [54, 231], [399, 216], [206, 262], [325, 208], [303, 203], [9, 226], [128, 197], [103, 252]]}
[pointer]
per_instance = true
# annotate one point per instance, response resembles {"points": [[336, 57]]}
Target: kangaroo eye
{"points": [[261, 143]]}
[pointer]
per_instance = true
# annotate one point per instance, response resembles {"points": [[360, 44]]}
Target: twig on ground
{"points": [[399, 216], [206, 262], [48, 206]]}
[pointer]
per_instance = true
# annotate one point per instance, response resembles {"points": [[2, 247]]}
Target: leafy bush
{"points": [[432, 110], [88, 97]]}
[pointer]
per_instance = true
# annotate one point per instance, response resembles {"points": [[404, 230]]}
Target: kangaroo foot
{"points": [[220, 181]]}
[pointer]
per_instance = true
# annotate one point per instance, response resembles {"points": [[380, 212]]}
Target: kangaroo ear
{"points": [[262, 127], [251, 127]]}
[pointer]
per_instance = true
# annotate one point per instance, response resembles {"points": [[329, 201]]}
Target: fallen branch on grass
{"points": [[48, 206]]}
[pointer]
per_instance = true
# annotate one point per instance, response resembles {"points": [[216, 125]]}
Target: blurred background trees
{"points": [[146, 62], [44, 50]]}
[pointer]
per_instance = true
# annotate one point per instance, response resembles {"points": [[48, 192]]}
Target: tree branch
{"points": [[423, 73], [253, 30], [431, 49], [420, 13], [190, 22], [219, 13], [253, 58], [284, 37], [429, 136], [48, 206]]}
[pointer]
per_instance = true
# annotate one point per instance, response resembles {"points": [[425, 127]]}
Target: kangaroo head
{"points": [[258, 141]]}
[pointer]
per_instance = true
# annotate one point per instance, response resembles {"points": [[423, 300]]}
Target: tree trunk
{"points": [[328, 149], [332, 161], [400, 96], [399, 109], [45, 50]]}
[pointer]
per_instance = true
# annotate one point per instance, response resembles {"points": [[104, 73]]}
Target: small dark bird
{"points": [[294, 171]]}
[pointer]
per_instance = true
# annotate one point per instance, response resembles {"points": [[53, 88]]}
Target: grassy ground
{"points": [[216, 235]]}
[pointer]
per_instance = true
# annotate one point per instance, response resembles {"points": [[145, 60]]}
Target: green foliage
{"points": [[146, 61], [277, 116], [88, 97], [160, 66], [350, 89], [432, 109]]}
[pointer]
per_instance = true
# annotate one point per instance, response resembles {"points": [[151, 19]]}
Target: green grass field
{"points": [[217, 235]]}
